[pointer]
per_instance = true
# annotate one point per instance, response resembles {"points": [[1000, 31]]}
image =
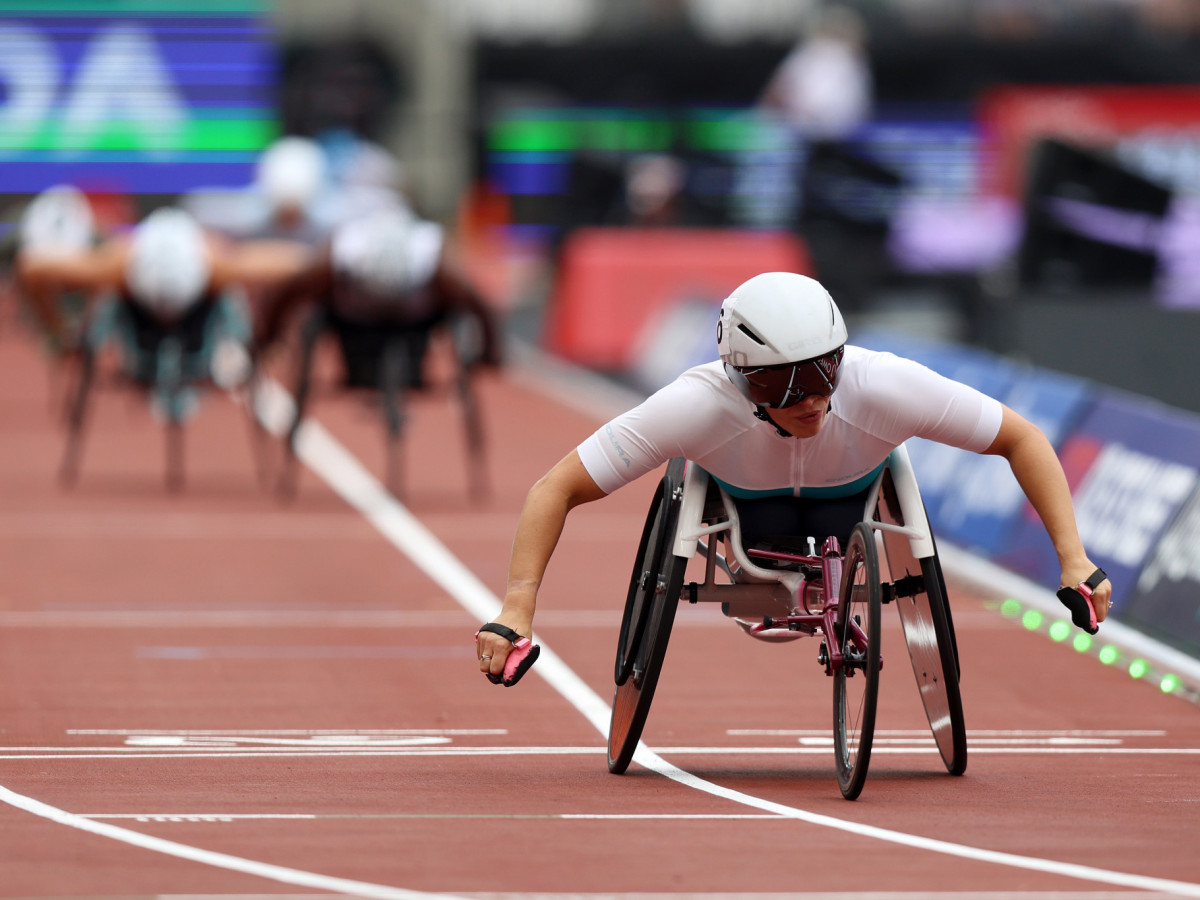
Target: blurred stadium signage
{"points": [[141, 96], [1167, 601], [1132, 466], [1155, 130]]}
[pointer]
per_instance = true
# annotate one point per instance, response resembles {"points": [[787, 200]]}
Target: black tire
{"points": [[77, 411], [653, 596], [856, 682]]}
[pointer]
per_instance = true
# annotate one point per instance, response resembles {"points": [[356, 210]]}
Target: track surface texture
{"points": [[214, 693]]}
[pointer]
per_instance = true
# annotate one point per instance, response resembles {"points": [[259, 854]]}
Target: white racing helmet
{"points": [[388, 252], [59, 218], [781, 338], [291, 172], [169, 267]]}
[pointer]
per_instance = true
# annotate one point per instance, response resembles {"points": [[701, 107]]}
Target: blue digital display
{"points": [[147, 97]]}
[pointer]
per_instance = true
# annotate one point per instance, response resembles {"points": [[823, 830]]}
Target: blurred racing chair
{"points": [[391, 359], [173, 336]]}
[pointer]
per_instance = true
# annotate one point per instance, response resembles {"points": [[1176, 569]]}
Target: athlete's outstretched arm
{"points": [[1040, 474], [312, 282], [43, 274], [555, 494]]}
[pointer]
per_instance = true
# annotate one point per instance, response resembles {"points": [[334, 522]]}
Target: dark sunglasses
{"points": [[778, 387]]}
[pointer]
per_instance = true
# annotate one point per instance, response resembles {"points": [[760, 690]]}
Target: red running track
{"points": [[212, 693]]}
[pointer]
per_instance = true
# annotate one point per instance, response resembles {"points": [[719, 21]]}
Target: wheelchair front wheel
{"points": [[653, 596], [856, 681]]}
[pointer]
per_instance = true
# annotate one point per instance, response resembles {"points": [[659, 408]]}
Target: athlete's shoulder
{"points": [[710, 371], [710, 379]]}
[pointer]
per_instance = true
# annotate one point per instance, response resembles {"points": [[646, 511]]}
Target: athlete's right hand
{"points": [[505, 655]]}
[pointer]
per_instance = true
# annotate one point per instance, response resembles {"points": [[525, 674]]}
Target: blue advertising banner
{"points": [[1131, 464], [983, 505], [1166, 600], [938, 467]]}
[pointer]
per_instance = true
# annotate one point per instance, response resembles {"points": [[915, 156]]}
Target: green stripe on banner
{"points": [[243, 134], [634, 133]]}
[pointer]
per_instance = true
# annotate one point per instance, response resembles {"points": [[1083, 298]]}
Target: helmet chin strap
{"points": [[760, 412]]}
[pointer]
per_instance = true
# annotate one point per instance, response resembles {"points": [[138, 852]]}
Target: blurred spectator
{"points": [[823, 87], [284, 202], [821, 91], [291, 175], [364, 177], [388, 267], [654, 190]]}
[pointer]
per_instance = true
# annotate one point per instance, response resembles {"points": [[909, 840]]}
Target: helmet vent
{"points": [[750, 334]]}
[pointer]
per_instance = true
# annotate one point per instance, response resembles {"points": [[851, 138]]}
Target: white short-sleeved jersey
{"points": [[881, 401]]}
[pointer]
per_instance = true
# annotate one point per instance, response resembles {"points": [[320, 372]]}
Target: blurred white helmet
{"points": [[169, 267], [388, 252], [59, 218], [291, 172], [781, 336]]}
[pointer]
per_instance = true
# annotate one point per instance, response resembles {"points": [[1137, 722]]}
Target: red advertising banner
{"points": [[614, 282]]}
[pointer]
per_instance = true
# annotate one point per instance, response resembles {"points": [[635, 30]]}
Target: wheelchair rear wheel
{"points": [[929, 633], [919, 594], [654, 589], [856, 682]]}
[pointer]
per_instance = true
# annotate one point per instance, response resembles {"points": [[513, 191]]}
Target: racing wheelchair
{"points": [[170, 361], [829, 592], [390, 359]]}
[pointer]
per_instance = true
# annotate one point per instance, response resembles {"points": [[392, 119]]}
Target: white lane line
{"points": [[284, 732], [234, 817], [312, 618], [196, 752], [818, 895], [435, 747], [972, 734], [253, 753]]}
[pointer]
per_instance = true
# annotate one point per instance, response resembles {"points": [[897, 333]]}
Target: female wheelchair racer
{"points": [[789, 420]]}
